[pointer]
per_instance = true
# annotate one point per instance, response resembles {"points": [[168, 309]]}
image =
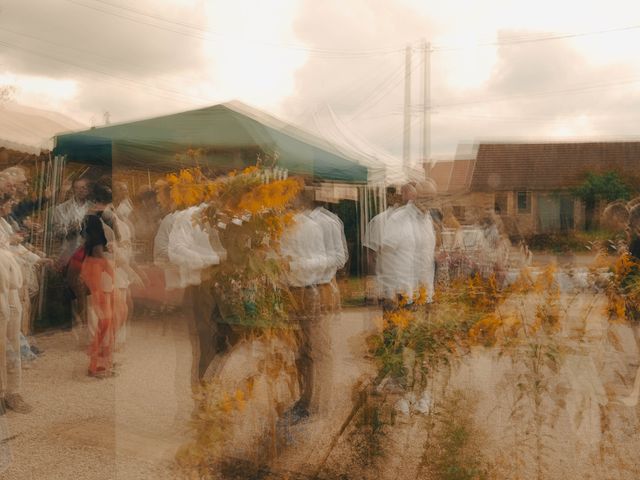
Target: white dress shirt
{"points": [[335, 243], [189, 247], [375, 230], [303, 245], [407, 253]]}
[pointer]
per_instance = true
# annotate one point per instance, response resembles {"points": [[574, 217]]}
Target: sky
{"points": [[505, 69]]}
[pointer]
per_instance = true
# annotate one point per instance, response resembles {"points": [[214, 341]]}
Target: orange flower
{"points": [[400, 318], [484, 331]]}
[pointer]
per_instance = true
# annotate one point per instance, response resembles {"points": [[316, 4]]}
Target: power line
{"points": [[537, 39], [384, 90], [205, 34]]}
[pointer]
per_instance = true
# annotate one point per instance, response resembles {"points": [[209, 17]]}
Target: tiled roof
{"points": [[451, 176], [440, 173], [549, 166], [461, 175]]}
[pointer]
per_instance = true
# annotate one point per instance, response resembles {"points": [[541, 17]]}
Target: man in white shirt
{"points": [[391, 236], [68, 217], [407, 252], [375, 231], [302, 245], [319, 333], [184, 249]]}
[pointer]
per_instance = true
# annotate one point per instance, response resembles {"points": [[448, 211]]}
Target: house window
{"points": [[524, 202], [500, 205]]}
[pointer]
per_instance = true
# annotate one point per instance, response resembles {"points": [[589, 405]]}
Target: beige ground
{"points": [[130, 427]]}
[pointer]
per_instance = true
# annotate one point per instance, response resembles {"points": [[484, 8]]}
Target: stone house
{"points": [[529, 184]]}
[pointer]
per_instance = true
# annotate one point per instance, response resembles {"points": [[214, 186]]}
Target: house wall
{"points": [[516, 224], [469, 206]]}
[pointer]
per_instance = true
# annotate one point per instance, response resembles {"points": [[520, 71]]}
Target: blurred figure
{"points": [[146, 219], [68, 217], [495, 248], [68, 220], [426, 240], [12, 283], [390, 263], [335, 247], [615, 219], [104, 271], [303, 247], [633, 232]]}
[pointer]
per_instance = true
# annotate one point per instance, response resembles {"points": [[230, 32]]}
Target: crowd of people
{"points": [[20, 264], [95, 225]]}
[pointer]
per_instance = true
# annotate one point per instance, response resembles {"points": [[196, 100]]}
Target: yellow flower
{"points": [[240, 400], [484, 331], [226, 404], [400, 318], [420, 298]]}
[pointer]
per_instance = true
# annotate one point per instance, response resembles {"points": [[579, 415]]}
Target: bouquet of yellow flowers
{"points": [[249, 210]]}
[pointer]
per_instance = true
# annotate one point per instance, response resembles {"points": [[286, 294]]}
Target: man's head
{"points": [[7, 202], [306, 198], [81, 189], [408, 193], [16, 178], [426, 194], [121, 190]]}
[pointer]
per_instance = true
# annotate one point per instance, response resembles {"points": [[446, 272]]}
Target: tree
{"points": [[6, 92], [597, 187]]}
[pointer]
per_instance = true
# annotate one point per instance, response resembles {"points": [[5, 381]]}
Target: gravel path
{"points": [[128, 427]]}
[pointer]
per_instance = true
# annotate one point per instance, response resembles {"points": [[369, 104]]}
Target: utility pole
{"points": [[406, 144], [426, 104]]}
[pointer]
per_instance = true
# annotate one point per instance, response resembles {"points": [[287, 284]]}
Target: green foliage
{"points": [[435, 332], [453, 450], [606, 186]]}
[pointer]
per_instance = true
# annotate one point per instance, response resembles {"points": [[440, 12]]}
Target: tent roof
{"points": [[229, 127], [30, 130]]}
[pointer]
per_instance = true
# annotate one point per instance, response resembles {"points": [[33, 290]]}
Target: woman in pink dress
{"points": [[98, 274]]}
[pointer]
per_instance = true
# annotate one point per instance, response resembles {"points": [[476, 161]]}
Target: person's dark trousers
{"points": [[211, 335], [306, 312]]}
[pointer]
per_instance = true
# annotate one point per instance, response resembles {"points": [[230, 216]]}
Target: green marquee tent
{"points": [[231, 134]]}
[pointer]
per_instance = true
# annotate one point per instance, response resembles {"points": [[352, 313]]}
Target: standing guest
{"points": [[615, 219], [375, 231], [494, 253], [302, 246], [10, 323], [98, 273], [67, 224], [335, 246], [633, 233], [191, 251], [396, 262], [146, 219], [68, 217]]}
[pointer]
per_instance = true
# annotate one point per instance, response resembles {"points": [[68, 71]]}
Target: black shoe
{"points": [[36, 350], [15, 402], [296, 414]]}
